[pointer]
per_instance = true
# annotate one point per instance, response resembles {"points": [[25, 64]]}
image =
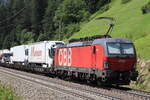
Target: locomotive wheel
{"points": [[93, 81], [99, 82]]}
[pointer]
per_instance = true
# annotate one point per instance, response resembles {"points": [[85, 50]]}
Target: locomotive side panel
{"points": [[83, 57], [99, 57], [74, 57]]}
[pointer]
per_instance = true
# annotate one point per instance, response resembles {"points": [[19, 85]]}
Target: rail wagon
{"points": [[19, 54], [39, 53]]}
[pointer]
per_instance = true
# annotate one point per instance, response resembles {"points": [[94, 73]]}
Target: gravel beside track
{"points": [[82, 91], [69, 93], [30, 90]]}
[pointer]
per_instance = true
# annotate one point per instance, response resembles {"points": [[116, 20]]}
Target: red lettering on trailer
{"points": [[36, 52]]}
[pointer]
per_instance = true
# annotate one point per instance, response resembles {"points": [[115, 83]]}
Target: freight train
{"points": [[101, 59]]}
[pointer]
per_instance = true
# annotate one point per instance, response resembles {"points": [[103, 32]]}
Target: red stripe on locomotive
{"points": [[122, 64]]}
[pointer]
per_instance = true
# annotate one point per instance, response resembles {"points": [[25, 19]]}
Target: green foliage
{"points": [[6, 94], [42, 37], [48, 23], [71, 11], [95, 5], [68, 14], [38, 11], [70, 29], [143, 47], [26, 37], [7, 42], [146, 8], [125, 1]]}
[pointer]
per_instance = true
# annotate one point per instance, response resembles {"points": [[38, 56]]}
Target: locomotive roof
{"points": [[118, 40], [97, 41]]}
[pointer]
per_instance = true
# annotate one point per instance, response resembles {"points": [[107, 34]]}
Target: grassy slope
{"points": [[130, 23], [6, 94]]}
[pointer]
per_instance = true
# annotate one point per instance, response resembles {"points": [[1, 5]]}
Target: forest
{"points": [[27, 21]]}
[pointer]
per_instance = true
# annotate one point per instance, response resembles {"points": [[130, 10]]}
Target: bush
{"points": [[125, 1], [105, 8], [71, 29], [6, 94], [146, 8]]}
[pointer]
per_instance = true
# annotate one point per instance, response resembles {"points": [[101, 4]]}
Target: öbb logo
{"points": [[64, 57]]}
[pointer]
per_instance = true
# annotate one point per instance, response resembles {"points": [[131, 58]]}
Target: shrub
{"points": [[146, 8], [71, 29], [6, 94], [105, 8], [125, 1]]}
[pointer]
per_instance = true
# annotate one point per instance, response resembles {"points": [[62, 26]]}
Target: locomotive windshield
{"points": [[120, 48]]}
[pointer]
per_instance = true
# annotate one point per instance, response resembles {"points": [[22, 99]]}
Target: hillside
{"points": [[130, 23]]}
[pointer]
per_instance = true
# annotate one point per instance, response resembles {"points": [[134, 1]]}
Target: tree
{"points": [[43, 37], [70, 12], [95, 5], [26, 37], [48, 23], [7, 42], [4, 26], [17, 6], [38, 11], [27, 15]]}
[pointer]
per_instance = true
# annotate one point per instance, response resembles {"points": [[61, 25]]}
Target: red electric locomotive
{"points": [[102, 59]]}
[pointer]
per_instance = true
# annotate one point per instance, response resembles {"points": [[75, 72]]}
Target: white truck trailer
{"points": [[19, 54], [41, 53]]}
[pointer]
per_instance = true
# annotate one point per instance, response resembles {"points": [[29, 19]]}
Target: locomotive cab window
{"points": [[127, 48], [114, 48], [120, 48]]}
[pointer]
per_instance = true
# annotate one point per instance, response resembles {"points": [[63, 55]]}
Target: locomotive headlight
{"points": [[106, 64]]}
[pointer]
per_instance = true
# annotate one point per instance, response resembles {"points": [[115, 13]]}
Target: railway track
{"points": [[106, 93], [73, 91], [139, 92], [141, 95], [131, 92]]}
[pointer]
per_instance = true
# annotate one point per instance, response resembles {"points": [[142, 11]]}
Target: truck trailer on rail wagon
{"points": [[40, 53], [5, 55], [19, 54], [35, 54]]}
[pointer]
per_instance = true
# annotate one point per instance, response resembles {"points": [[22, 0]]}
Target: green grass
{"points": [[130, 23], [143, 47], [6, 94]]}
